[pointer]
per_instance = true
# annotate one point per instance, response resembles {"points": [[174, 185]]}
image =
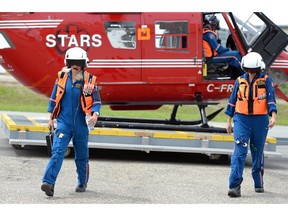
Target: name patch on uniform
{"points": [[78, 85], [261, 84]]}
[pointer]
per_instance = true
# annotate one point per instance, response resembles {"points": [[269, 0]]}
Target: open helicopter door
{"points": [[260, 34]]}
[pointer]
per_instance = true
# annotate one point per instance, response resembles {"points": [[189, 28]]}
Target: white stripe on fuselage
{"points": [[19, 24]]}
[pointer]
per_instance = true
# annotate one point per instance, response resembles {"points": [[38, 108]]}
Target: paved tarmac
{"points": [[133, 177]]}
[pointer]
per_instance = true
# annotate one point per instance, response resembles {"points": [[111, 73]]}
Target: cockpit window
{"points": [[250, 25], [171, 35], [121, 34]]}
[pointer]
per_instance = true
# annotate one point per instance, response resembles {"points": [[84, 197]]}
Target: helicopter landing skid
{"points": [[171, 124]]}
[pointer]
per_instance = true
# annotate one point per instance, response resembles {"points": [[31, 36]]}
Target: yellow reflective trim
{"points": [[174, 135], [271, 140], [112, 132], [33, 121], [205, 70], [30, 128], [7, 120]]}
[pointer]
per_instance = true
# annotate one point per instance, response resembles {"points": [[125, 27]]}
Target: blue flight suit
{"points": [[224, 55], [253, 128], [71, 124]]}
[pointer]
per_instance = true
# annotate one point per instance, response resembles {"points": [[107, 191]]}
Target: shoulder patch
{"points": [[211, 36]]}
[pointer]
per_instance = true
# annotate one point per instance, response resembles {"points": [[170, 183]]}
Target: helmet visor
{"points": [[252, 70], [71, 62]]}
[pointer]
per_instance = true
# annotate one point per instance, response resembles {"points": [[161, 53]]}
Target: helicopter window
{"points": [[251, 28], [121, 34], [171, 35]]}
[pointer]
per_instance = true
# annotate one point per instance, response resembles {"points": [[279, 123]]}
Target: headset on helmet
{"points": [[76, 56], [252, 62]]}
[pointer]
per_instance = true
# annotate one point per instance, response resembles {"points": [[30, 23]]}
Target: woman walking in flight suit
{"points": [[250, 105], [74, 96]]}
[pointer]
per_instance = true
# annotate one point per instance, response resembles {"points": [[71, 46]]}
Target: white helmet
{"points": [[252, 62], [76, 56]]}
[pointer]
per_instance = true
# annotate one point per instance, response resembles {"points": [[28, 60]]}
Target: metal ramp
{"points": [[31, 130]]}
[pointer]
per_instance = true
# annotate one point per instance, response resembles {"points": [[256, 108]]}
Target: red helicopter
{"points": [[142, 60]]}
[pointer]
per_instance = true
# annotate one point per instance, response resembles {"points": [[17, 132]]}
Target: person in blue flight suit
{"points": [[250, 105], [74, 95], [214, 50]]}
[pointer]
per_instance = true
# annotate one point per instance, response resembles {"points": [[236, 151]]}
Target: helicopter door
{"points": [[260, 35], [172, 53]]}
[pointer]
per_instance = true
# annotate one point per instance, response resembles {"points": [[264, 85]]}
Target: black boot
{"points": [[48, 188], [235, 192], [81, 188], [259, 190]]}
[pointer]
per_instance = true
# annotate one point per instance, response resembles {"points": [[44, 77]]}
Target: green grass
{"points": [[19, 98], [284, 88], [15, 97]]}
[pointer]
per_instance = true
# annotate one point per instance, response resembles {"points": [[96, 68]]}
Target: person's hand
{"points": [[229, 127], [272, 120], [93, 119], [51, 125]]}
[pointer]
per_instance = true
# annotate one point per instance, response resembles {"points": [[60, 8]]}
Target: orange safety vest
{"points": [[208, 51], [258, 105], [86, 100]]}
